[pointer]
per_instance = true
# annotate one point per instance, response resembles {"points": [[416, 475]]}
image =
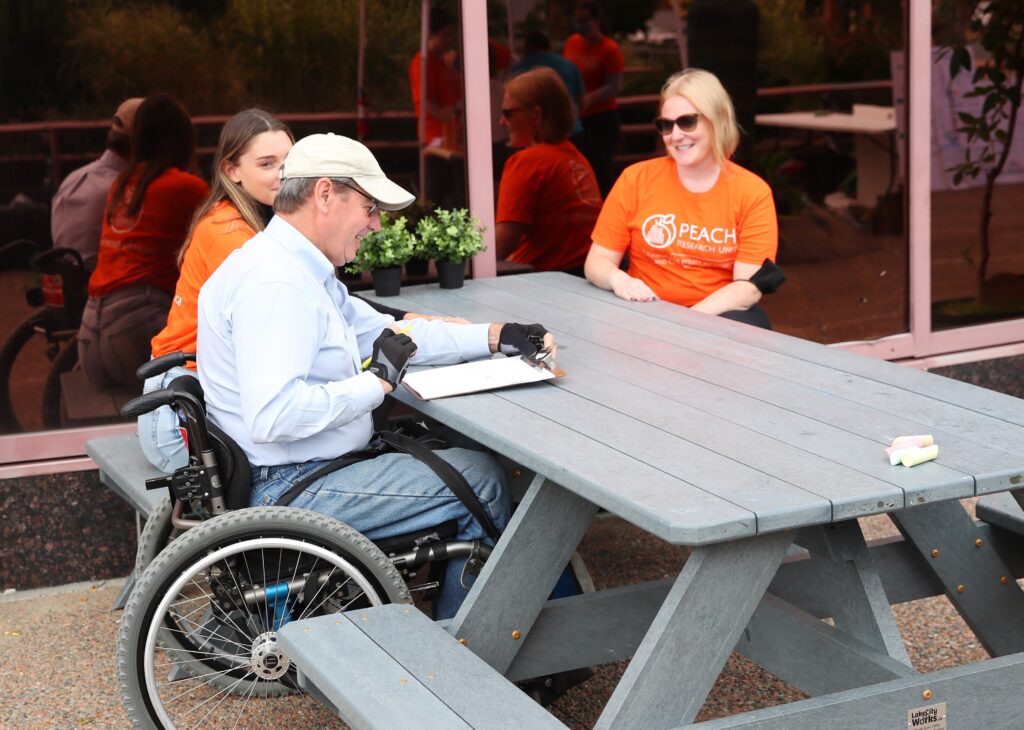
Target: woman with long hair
{"points": [[246, 176], [147, 215]]}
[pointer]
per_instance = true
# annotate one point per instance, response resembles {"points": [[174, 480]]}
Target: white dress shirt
{"points": [[280, 349]]}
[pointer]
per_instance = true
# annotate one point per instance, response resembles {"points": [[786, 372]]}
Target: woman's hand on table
{"points": [[631, 289]]}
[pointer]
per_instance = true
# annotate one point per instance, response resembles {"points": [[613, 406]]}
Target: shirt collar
{"points": [[311, 258]]}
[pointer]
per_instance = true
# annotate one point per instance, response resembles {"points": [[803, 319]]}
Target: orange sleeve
{"points": [[612, 229], [517, 193], [222, 246], [758, 227], [614, 61]]}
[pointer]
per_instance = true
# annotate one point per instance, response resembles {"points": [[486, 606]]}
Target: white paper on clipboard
{"points": [[474, 377]]}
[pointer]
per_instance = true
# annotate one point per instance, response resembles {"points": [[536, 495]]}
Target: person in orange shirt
{"points": [[700, 230], [548, 198], [444, 84], [600, 62], [147, 215]]}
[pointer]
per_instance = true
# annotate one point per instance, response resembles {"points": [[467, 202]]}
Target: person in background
{"points": [[701, 231], [147, 216], [444, 84], [281, 346], [537, 52], [439, 115], [600, 62], [548, 199], [76, 214]]}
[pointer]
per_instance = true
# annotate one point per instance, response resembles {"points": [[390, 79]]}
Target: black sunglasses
{"points": [[686, 122]]}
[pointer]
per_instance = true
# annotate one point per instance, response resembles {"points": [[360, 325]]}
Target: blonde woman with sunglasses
{"points": [[700, 230]]}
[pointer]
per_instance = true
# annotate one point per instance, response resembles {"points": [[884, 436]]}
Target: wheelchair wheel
{"points": [[198, 641], [52, 390], [9, 352], [156, 535]]}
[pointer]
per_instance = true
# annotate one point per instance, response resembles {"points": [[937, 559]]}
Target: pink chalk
{"points": [[920, 441]]}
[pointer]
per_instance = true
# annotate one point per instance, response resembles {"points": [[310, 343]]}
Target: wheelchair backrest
{"points": [[232, 463]]}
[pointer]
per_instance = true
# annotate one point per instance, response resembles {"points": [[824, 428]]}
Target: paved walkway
{"points": [[58, 645]]}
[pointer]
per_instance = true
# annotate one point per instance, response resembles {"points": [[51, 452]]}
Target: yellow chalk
{"points": [[920, 456], [920, 440]]}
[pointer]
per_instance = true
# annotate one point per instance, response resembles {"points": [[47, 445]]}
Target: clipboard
{"points": [[477, 377]]}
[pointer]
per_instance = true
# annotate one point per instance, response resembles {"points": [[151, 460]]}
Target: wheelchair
{"points": [[198, 640], [61, 297]]}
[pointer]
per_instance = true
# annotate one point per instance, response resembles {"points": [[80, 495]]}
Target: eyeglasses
{"points": [[375, 203], [507, 113], [686, 122]]}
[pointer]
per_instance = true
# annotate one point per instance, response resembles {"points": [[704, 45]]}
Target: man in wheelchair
{"points": [[281, 345]]}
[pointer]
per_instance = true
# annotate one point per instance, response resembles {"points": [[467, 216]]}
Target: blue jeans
{"points": [[395, 494], [159, 436]]}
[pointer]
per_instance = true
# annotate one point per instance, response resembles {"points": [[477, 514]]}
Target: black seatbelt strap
{"points": [[451, 476]]}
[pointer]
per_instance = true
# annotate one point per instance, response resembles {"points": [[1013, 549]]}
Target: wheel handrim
{"points": [[254, 656]]}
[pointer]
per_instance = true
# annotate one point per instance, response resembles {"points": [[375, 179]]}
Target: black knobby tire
{"points": [[9, 352], [177, 647], [52, 390], [156, 534]]}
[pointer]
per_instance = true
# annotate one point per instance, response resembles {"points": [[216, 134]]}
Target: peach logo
{"points": [[660, 230]]}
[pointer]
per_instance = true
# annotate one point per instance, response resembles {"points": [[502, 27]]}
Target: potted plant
{"points": [[383, 252], [999, 82], [451, 238]]}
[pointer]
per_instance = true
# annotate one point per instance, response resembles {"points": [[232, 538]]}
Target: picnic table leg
{"points": [[976, 580], [525, 565], [855, 593], [699, 623]]}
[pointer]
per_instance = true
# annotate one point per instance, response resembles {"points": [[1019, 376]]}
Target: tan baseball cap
{"points": [[124, 117], [332, 155]]}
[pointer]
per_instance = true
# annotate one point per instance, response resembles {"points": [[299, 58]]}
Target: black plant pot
{"points": [[451, 274], [417, 266], [387, 282]]}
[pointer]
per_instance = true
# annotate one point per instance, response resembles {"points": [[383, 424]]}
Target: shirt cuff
{"points": [[472, 340], [367, 392]]}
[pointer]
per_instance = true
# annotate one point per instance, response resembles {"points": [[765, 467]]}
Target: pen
{"points": [[404, 330]]}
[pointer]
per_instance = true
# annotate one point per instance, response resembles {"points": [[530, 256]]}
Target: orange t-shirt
{"points": [[444, 88], [596, 61], [552, 188], [681, 244], [216, 235], [143, 249]]}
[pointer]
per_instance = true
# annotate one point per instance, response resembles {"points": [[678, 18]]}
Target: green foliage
{"points": [[220, 55], [1000, 32], [392, 245], [788, 51], [132, 50], [998, 82], [450, 235]]}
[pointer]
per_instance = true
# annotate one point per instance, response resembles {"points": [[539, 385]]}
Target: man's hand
{"points": [[524, 339], [390, 358]]}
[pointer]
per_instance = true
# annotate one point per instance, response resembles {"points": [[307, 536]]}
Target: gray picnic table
{"points": [[758, 451]]}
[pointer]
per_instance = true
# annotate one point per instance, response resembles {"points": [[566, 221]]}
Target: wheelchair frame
{"points": [[199, 633]]}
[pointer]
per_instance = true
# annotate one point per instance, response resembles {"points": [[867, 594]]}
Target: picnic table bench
{"points": [[410, 672]]}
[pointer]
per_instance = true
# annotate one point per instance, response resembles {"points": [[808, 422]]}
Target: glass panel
{"points": [[811, 81], [301, 60], [977, 168]]}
